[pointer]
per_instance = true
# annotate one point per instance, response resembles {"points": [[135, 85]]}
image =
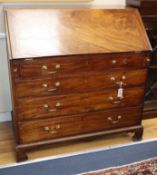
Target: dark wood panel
{"points": [[49, 86], [151, 88], [38, 130], [142, 3], [52, 67], [148, 11], [83, 82], [150, 109], [48, 67], [28, 108], [117, 61], [150, 22]]}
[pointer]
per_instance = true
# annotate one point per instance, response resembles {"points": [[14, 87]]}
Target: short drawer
{"points": [[103, 62], [40, 130], [80, 83], [47, 67], [50, 67], [28, 108]]}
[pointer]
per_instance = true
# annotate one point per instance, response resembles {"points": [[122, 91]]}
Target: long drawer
{"points": [[80, 83], [30, 68], [39, 130], [28, 108]]}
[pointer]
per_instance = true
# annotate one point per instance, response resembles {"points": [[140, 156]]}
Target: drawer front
{"points": [[28, 108], [103, 62], [80, 83], [69, 65], [47, 67], [39, 130], [49, 86]]}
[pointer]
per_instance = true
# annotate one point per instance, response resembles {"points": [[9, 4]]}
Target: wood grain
{"points": [[83, 82], [50, 32], [92, 54], [33, 68], [34, 130], [7, 143], [30, 108]]}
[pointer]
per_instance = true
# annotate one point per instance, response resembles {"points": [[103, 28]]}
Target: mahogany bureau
{"points": [[75, 73]]}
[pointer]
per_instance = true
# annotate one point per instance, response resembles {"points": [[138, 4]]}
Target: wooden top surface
{"points": [[53, 32]]}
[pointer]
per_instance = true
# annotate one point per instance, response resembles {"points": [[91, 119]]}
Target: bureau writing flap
{"points": [[53, 32]]}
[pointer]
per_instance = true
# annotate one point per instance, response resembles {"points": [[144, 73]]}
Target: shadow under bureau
{"points": [[75, 73]]}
